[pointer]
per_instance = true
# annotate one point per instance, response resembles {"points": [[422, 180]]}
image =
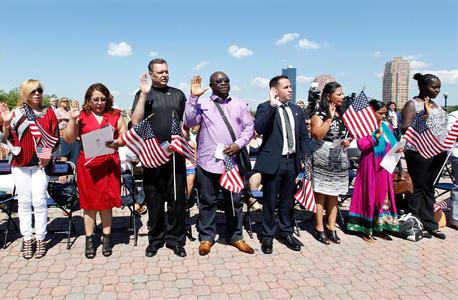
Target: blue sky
{"points": [[66, 44]]}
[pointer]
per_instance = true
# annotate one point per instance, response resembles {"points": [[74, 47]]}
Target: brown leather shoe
{"points": [[243, 246], [204, 247]]}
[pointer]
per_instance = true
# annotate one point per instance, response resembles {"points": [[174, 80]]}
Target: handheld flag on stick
{"points": [[360, 118], [231, 179], [179, 144], [142, 141], [420, 136], [304, 194], [44, 141]]}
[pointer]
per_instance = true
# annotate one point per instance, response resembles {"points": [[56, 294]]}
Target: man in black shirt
{"points": [[161, 101]]}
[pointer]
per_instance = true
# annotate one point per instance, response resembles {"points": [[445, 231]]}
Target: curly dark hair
{"points": [[99, 88]]}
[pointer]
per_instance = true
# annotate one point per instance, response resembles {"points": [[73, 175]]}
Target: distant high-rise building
{"points": [[291, 73], [396, 81]]}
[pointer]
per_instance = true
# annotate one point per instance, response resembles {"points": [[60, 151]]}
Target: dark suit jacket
{"points": [[268, 123]]}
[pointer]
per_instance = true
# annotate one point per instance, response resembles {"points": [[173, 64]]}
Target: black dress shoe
{"points": [[439, 234], [290, 242], [151, 250], [177, 249], [427, 235], [266, 247]]}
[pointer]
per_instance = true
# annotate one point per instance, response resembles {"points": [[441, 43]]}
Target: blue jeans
{"points": [[454, 161]]}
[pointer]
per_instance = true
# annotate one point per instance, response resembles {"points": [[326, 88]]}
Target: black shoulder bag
{"points": [[243, 160]]}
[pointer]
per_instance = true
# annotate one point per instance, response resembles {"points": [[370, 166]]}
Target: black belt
{"points": [[289, 155]]}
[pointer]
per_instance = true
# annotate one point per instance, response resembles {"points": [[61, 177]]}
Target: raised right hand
{"points": [[5, 113], [75, 109], [145, 85], [196, 87], [332, 110], [274, 100]]}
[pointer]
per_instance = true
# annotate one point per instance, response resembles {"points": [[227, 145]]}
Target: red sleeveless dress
{"points": [[99, 183]]}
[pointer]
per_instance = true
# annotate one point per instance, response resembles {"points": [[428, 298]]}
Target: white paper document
{"points": [[94, 142], [392, 158], [219, 151]]}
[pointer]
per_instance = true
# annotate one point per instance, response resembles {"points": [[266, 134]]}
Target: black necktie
{"points": [[289, 130]]}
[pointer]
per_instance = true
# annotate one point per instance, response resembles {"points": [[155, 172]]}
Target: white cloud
{"points": [[286, 38], [378, 75], [417, 64], [303, 79], [115, 93], [238, 52], [235, 88], [201, 65], [306, 44], [377, 54], [153, 54], [414, 62], [260, 82], [411, 57], [446, 76], [121, 49]]}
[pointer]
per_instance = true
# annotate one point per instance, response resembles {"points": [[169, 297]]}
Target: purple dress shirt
{"points": [[213, 130]]}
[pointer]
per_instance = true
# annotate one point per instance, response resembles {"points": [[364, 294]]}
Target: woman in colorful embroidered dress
{"points": [[99, 179], [28, 164], [373, 207]]}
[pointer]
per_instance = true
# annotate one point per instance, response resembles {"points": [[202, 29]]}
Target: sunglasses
{"points": [[101, 99], [221, 80], [39, 90]]}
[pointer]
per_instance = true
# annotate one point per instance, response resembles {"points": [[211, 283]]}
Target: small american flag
{"points": [[452, 135], [304, 194], [179, 143], [43, 152], [231, 179], [419, 136], [141, 140], [360, 117], [44, 141], [443, 205]]}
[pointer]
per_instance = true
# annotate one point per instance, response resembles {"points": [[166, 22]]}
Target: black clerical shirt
{"points": [[162, 102]]}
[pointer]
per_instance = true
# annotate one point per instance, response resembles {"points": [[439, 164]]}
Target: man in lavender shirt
{"points": [[213, 131]]}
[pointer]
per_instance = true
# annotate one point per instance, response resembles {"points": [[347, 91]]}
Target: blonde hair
{"points": [[26, 88]]}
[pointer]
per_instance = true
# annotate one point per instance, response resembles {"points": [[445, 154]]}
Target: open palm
{"points": [[196, 86], [75, 109], [145, 86], [5, 113]]}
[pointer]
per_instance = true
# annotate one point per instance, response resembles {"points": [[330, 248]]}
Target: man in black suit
{"points": [[285, 141]]}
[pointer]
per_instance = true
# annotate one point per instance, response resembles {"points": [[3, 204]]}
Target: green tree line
{"points": [[11, 97]]}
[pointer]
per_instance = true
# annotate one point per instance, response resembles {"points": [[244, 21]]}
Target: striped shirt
{"points": [[27, 156]]}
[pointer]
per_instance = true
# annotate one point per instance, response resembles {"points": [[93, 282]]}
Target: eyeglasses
{"points": [[39, 90], [101, 99], [221, 80]]}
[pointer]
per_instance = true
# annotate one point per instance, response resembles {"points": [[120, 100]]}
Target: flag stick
{"points": [[341, 147], [443, 165], [174, 179], [232, 201]]}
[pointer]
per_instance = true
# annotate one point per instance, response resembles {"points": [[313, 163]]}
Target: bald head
{"points": [[220, 84]]}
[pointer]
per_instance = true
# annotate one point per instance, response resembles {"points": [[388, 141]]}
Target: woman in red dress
{"points": [[99, 178]]}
